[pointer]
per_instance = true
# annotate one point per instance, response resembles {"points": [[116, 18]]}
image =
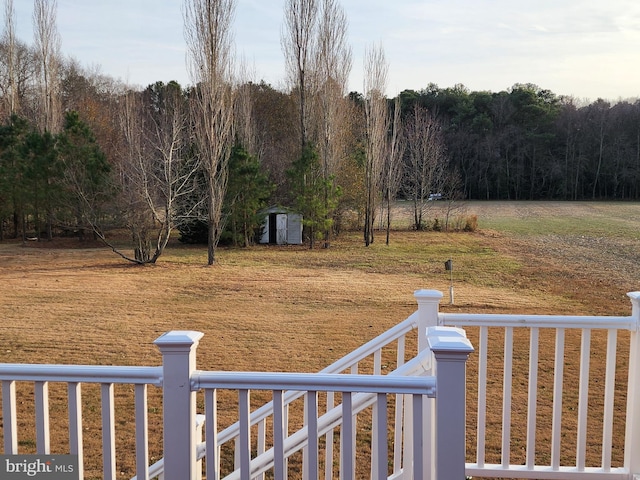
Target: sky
{"points": [[587, 49]]}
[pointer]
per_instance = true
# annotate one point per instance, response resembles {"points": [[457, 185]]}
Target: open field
{"points": [[289, 308]]}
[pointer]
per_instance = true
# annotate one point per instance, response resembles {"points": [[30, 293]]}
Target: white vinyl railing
{"points": [[432, 434], [598, 342], [420, 403], [74, 376], [517, 387], [378, 356]]}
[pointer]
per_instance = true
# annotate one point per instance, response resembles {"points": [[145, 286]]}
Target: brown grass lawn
{"points": [[289, 308]]}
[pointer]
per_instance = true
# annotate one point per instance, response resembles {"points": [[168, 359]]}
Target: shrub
{"points": [[471, 224]]}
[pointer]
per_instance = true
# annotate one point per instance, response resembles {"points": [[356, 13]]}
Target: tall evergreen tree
{"points": [[313, 196], [86, 173], [12, 187], [42, 180], [247, 193]]}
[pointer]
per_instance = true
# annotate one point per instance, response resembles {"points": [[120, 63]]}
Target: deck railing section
{"points": [[356, 391], [390, 346], [181, 382], [450, 349], [533, 327], [373, 358], [74, 377], [400, 402]]}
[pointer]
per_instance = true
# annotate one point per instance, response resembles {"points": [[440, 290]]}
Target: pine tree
{"points": [[247, 193]]}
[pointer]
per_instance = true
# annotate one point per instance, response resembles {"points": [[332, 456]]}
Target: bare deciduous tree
{"points": [[154, 168], [298, 45], [10, 58], [133, 181], [376, 132], [331, 75], [18, 67], [47, 42], [392, 171], [209, 43], [244, 117], [427, 162]]}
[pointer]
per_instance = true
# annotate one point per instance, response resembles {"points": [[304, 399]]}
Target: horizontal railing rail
{"points": [[537, 321], [316, 381], [81, 374]]}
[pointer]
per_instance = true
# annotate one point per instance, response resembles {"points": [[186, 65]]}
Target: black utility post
{"points": [[448, 266]]}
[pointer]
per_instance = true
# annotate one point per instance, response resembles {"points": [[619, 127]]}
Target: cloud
{"points": [[582, 47], [493, 44]]}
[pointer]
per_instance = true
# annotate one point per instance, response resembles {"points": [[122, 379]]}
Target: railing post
{"points": [[451, 349], [178, 350], [428, 304], [632, 433]]}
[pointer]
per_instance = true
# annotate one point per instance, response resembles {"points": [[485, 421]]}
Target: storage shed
{"points": [[281, 226]]}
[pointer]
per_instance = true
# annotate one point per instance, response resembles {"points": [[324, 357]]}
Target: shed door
{"points": [[281, 229], [294, 229], [271, 226]]}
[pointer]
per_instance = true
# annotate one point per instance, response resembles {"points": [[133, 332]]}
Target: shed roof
{"points": [[277, 209]]}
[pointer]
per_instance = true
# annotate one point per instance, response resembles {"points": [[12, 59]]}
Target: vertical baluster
{"points": [[482, 396], [328, 451], [305, 448], [428, 424], [108, 433], [75, 424], [400, 352], [397, 433], [261, 444], [377, 362], [42, 418], [312, 435], [506, 396], [236, 453], [380, 457], [244, 442], [583, 398], [558, 373], [347, 434], [609, 394], [142, 433], [286, 434], [632, 426], [419, 467], [533, 396], [354, 422], [9, 417], [399, 404], [407, 445], [200, 421], [211, 434], [279, 463], [377, 369]]}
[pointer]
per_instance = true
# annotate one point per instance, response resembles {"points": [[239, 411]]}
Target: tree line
{"points": [[528, 143], [83, 154]]}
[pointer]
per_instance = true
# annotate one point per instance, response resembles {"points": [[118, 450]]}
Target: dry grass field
{"points": [[290, 308]]}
